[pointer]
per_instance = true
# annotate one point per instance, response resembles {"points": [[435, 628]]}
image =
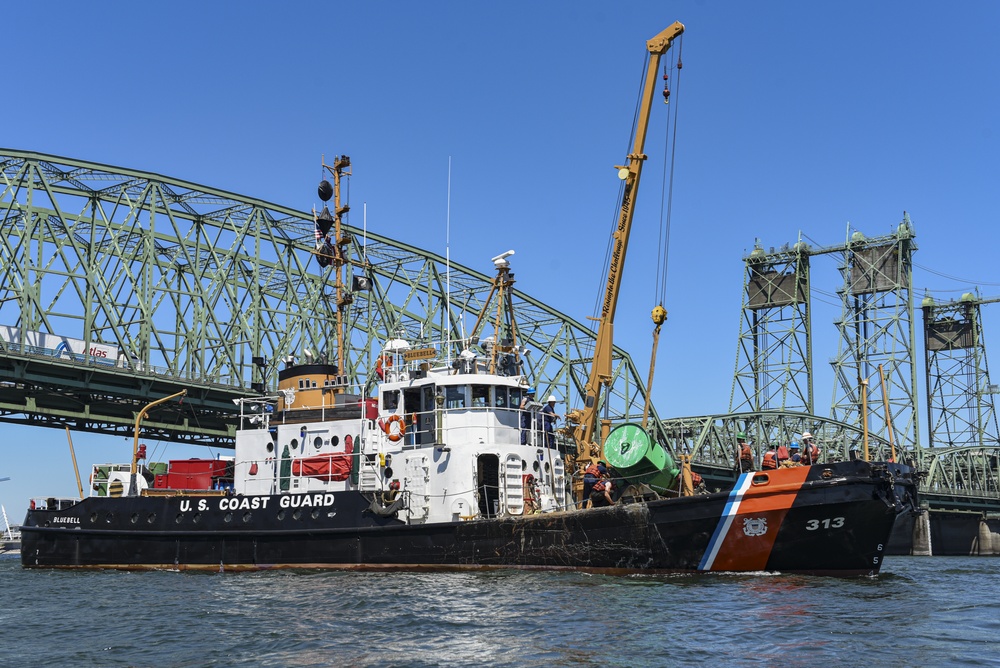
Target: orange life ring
{"points": [[387, 427]]}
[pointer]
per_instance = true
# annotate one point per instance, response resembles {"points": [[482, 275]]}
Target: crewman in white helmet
{"points": [[549, 418], [810, 451]]}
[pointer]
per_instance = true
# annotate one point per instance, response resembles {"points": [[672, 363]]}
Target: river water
{"points": [[920, 611]]}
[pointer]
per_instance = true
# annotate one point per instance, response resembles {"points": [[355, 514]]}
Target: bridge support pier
{"points": [[921, 545], [989, 537]]}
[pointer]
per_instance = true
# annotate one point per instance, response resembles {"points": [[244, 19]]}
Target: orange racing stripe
{"points": [[747, 543]]}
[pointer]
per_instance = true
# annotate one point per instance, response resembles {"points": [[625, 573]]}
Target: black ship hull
{"points": [[833, 520]]}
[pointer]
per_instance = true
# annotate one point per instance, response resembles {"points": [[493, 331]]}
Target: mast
{"points": [[336, 253], [504, 325]]}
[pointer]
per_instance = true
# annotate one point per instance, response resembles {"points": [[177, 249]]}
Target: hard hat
{"points": [[553, 398], [794, 446], [741, 436], [531, 390], [806, 435]]}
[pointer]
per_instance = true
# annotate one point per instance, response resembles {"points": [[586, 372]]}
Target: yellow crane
{"points": [[584, 421]]}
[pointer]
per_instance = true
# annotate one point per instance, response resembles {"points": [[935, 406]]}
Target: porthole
{"points": [[247, 516], [93, 518], [334, 440], [524, 465], [196, 518], [109, 518], [546, 467], [314, 514], [270, 447], [134, 518], [318, 442], [228, 517], [281, 515], [151, 518], [294, 443], [297, 515], [179, 518], [534, 466]]}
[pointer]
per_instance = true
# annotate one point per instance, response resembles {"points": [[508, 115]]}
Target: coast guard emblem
{"points": [[755, 527]]}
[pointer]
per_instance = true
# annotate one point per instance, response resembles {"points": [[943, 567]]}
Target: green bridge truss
{"points": [[192, 287]]}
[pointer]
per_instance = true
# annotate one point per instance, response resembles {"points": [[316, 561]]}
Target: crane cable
{"points": [[659, 313], [667, 189]]}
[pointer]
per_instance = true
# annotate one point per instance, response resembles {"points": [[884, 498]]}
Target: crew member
{"points": [[601, 494], [770, 460], [549, 417], [529, 397], [591, 475], [782, 454], [810, 454], [746, 452], [794, 457]]}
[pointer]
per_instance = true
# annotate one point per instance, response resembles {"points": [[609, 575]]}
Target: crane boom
{"points": [[600, 372]]}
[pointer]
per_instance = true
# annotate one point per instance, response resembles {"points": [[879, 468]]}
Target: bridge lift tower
{"points": [[960, 409], [877, 336], [774, 358], [774, 368], [964, 457]]}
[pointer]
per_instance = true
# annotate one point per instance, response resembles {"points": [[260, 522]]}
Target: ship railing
{"points": [[486, 424], [52, 502], [255, 412]]}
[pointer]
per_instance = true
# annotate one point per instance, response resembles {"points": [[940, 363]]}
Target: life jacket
{"points": [[769, 461], [599, 486], [593, 470], [745, 452], [810, 455], [782, 452]]}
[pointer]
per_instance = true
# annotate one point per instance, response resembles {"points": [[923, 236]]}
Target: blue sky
{"points": [[793, 117]]}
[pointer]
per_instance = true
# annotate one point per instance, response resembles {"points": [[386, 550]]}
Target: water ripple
{"points": [[921, 611]]}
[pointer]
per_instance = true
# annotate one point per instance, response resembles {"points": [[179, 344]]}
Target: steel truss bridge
{"points": [[168, 285], [192, 287]]}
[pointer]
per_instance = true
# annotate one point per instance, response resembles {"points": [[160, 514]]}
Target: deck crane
{"points": [[584, 421]]}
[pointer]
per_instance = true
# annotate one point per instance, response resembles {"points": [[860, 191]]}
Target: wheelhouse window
{"points": [[500, 397], [390, 400], [480, 396], [454, 397], [515, 397]]}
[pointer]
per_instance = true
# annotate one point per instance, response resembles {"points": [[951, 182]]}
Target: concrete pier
{"points": [[945, 533]]}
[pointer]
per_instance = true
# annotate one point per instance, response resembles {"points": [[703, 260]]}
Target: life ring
{"points": [[387, 427], [384, 361]]}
